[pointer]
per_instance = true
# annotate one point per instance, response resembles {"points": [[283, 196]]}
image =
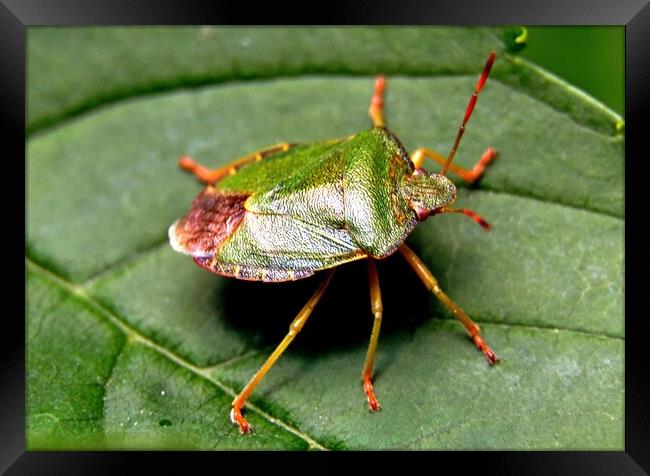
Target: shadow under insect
{"points": [[262, 312]]}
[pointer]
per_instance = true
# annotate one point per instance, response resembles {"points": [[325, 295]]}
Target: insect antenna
{"points": [[470, 108], [470, 213]]}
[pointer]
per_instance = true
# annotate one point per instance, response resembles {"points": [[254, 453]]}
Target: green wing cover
{"points": [[306, 209]]}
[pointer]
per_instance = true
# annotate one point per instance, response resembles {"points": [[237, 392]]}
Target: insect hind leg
{"points": [[377, 311], [432, 284], [296, 325]]}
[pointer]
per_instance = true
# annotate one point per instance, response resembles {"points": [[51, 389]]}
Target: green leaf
{"points": [[131, 345]]}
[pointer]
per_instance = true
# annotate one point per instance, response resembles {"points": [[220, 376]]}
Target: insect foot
{"points": [[368, 389], [483, 347], [237, 418]]}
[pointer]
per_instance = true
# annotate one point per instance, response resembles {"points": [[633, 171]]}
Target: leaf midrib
{"points": [[135, 336]]}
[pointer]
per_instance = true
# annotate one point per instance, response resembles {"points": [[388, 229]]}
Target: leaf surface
{"points": [[156, 348]]}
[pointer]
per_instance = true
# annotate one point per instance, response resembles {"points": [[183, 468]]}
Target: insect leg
{"points": [[295, 327], [432, 284], [377, 309], [469, 176], [376, 110], [209, 176]]}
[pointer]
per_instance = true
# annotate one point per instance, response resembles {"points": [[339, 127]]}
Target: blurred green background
{"points": [[589, 57]]}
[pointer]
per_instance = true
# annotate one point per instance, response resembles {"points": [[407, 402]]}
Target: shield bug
{"points": [[288, 211]]}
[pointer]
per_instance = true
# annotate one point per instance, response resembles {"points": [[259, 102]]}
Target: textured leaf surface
{"points": [[155, 348]]}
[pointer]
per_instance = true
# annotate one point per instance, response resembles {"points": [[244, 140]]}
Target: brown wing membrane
{"points": [[213, 218]]}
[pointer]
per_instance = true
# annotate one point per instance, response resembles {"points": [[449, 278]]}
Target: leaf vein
{"points": [[135, 335], [109, 377]]}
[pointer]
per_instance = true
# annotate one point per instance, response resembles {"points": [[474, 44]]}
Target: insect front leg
{"points": [[432, 284], [210, 176], [377, 310], [296, 325], [468, 175]]}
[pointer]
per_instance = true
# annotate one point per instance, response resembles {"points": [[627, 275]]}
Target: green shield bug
{"points": [[291, 210]]}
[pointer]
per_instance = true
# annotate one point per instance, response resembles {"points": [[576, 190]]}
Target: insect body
{"points": [[291, 210]]}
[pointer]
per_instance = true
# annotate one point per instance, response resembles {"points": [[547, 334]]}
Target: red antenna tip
{"points": [[470, 108]]}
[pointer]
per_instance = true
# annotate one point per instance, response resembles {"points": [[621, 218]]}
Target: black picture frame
{"points": [[17, 15]]}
